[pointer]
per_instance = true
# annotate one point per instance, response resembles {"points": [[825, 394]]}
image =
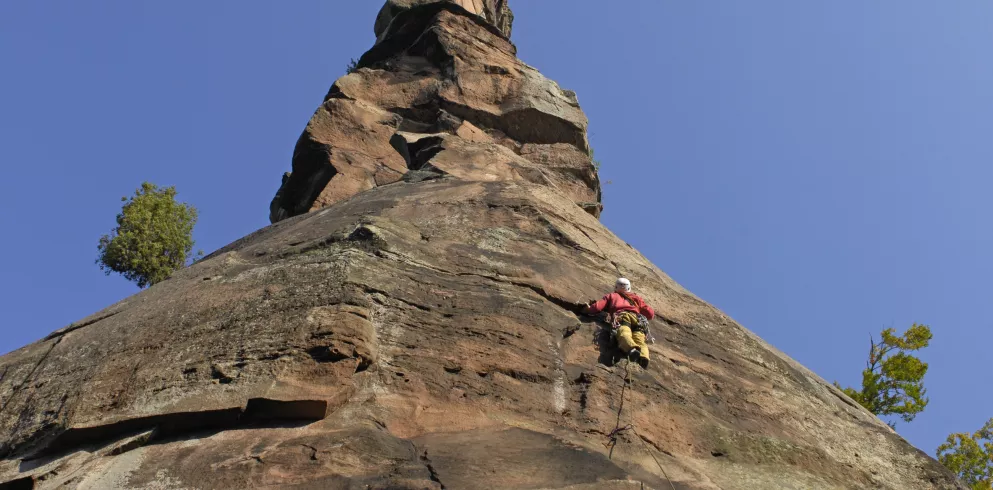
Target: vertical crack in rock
{"points": [[17, 389], [434, 474]]}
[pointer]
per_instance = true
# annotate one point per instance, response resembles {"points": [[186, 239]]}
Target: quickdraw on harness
{"points": [[641, 322]]}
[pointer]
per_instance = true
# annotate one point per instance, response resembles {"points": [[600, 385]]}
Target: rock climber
{"points": [[625, 306]]}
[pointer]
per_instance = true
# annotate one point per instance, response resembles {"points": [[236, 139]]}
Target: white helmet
{"points": [[622, 283]]}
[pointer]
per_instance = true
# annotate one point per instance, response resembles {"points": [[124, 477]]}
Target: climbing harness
{"points": [[618, 430], [643, 325]]}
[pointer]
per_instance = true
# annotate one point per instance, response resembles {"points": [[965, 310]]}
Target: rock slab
{"points": [[410, 321]]}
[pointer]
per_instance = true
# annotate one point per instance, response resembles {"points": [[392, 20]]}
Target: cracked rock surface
{"points": [[410, 322], [441, 93]]}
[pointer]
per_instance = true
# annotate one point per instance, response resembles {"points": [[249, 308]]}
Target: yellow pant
{"points": [[627, 340]]}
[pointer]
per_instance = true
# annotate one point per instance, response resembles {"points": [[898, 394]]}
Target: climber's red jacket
{"points": [[615, 302]]}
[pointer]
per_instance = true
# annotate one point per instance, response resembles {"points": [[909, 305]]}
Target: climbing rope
{"points": [[612, 437], [618, 430]]}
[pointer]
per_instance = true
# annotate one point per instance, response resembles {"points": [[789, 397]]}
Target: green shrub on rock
{"points": [[153, 237]]}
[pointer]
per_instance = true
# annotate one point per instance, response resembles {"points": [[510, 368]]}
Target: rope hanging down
{"points": [[618, 430]]}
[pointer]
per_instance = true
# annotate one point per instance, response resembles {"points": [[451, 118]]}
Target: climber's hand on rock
{"points": [[586, 306]]}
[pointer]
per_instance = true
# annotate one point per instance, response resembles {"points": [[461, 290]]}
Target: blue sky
{"points": [[817, 170]]}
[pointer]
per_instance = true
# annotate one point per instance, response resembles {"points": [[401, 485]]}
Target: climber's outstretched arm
{"points": [[647, 311], [598, 306]]}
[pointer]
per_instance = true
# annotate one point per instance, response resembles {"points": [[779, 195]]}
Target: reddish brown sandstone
{"points": [[410, 322]]}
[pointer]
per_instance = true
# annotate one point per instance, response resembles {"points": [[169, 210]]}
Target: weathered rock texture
{"points": [[441, 93], [420, 331]]}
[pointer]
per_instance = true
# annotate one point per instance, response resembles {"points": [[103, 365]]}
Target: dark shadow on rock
{"points": [[258, 413], [26, 483], [607, 346], [167, 438]]}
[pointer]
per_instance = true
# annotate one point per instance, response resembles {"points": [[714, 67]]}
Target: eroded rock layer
{"points": [[442, 88], [419, 330]]}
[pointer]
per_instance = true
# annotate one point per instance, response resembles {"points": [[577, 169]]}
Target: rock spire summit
{"points": [[441, 93]]}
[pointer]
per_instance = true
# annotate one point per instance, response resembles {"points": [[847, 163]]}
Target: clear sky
{"points": [[817, 170]]}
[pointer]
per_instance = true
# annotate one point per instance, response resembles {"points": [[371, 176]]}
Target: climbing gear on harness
{"points": [[643, 324], [624, 333], [625, 318], [640, 323], [618, 430]]}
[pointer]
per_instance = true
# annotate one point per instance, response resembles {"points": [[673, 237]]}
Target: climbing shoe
{"points": [[643, 362], [634, 355]]}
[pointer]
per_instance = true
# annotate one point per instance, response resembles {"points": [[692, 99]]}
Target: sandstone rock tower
{"points": [[442, 93], [409, 322]]}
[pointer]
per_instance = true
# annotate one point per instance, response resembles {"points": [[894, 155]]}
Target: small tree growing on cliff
{"points": [[970, 457], [353, 66], [893, 380], [153, 237]]}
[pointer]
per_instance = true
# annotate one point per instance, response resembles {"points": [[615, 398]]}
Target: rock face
{"points": [[495, 12], [440, 77], [410, 322]]}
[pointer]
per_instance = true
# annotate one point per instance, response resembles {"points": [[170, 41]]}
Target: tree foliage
{"points": [[352, 67], [596, 163], [153, 237], [893, 380], [970, 457]]}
